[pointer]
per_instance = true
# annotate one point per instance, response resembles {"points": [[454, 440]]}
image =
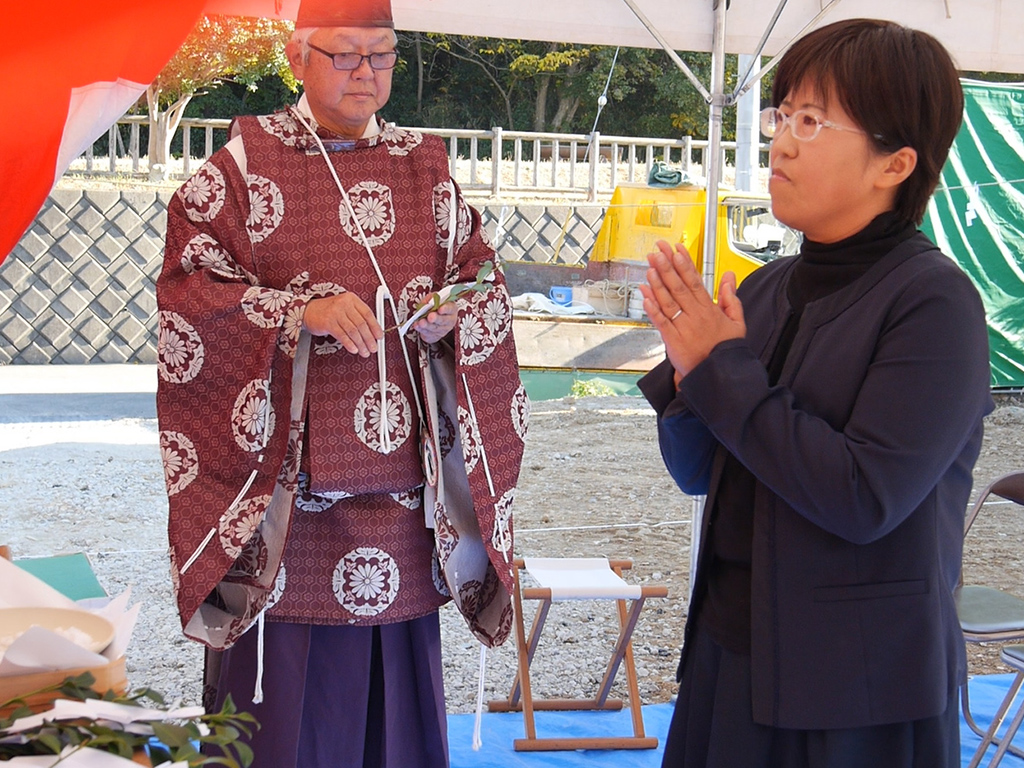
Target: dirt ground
{"points": [[593, 484]]}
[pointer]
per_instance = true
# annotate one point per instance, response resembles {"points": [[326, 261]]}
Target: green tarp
{"points": [[555, 383], [977, 216]]}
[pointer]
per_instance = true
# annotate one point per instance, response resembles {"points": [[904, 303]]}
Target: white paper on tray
{"points": [[40, 650], [20, 589], [97, 709], [123, 618], [45, 650]]}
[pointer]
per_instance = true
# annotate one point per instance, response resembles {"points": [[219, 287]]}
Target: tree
{"points": [[491, 58], [220, 48], [556, 65]]}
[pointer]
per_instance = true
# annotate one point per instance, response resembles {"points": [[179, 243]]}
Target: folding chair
{"points": [[988, 614], [1012, 655], [577, 579]]}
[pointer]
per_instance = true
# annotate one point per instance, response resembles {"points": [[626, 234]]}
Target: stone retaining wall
{"points": [[79, 286]]}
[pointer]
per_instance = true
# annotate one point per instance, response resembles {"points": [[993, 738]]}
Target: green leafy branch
{"points": [[480, 284], [221, 731]]}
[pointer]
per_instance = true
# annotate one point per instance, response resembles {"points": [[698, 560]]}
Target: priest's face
{"points": [[344, 100]]}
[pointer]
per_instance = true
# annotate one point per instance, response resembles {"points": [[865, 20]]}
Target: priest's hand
{"points": [[344, 317], [434, 326], [690, 322]]}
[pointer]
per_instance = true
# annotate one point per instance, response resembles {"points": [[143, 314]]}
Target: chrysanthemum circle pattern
{"points": [[285, 127], [483, 325], [202, 196], [397, 419], [263, 306], [238, 525], [266, 208], [366, 581], [400, 141], [280, 582], [252, 419], [203, 252], [501, 537], [180, 460], [520, 412], [180, 350], [374, 210], [470, 437], [412, 296]]}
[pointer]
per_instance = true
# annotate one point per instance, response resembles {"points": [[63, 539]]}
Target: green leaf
{"points": [[171, 735], [158, 754], [179, 739], [245, 754], [51, 742], [225, 734], [186, 751]]}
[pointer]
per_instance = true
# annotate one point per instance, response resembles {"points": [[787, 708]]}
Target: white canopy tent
{"points": [[124, 44], [983, 35]]}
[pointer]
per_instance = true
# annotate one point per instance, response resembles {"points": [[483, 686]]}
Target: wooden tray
{"points": [[109, 677]]}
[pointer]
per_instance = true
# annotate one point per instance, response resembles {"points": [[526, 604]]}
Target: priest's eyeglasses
{"points": [[804, 125], [350, 60]]}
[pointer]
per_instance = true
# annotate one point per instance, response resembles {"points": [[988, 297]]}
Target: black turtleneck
{"points": [[821, 269]]}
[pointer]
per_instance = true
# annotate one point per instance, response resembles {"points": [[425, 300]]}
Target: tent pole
{"points": [[642, 18], [713, 161], [713, 172]]}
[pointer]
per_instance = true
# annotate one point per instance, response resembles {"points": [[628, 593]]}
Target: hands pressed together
{"points": [[690, 323], [348, 319]]}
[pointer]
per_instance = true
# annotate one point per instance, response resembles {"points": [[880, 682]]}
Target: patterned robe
{"points": [[302, 479]]}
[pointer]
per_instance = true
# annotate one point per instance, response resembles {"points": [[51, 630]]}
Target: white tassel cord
{"points": [[478, 722], [257, 695], [199, 549]]}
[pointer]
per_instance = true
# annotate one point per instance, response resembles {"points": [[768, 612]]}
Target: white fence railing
{"points": [[573, 166]]}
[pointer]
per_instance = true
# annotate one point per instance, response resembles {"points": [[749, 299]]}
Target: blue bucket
{"points": [[561, 295]]}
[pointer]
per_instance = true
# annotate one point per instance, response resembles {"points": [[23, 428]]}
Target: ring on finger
{"points": [[677, 314]]}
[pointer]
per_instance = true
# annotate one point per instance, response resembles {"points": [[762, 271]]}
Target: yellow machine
{"points": [[639, 216]]}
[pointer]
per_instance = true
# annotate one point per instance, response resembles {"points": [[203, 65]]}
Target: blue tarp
{"points": [[499, 731]]}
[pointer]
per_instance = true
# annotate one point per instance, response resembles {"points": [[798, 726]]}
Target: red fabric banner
{"points": [[69, 70]]}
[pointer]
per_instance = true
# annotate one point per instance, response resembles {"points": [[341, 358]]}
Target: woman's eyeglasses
{"points": [[804, 125]]}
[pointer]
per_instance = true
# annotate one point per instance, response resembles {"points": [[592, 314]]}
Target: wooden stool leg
{"points": [[531, 648], [622, 645], [631, 682], [524, 662]]}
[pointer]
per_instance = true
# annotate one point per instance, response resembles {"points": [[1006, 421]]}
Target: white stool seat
{"points": [[582, 578]]}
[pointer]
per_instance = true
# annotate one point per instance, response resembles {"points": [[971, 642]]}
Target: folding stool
{"points": [[577, 579]]}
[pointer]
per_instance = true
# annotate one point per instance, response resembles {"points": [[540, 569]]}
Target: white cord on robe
{"points": [[477, 741], [257, 696], [209, 536], [382, 374], [369, 251], [483, 453]]}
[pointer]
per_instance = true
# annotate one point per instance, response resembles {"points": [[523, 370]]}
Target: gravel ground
{"points": [[592, 485]]}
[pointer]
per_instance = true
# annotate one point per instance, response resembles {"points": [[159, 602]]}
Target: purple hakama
{"points": [[340, 696]]}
